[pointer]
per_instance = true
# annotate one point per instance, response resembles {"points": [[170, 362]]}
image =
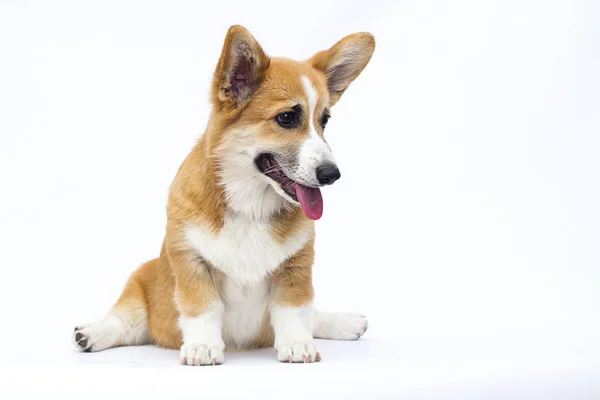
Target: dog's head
{"points": [[271, 114]]}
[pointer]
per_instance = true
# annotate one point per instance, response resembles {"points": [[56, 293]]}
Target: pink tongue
{"points": [[311, 201]]}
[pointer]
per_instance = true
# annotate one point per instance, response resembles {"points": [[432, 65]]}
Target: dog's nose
{"points": [[327, 174]]}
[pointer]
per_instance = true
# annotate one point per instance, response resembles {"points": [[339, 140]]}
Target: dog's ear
{"points": [[241, 69], [344, 62]]}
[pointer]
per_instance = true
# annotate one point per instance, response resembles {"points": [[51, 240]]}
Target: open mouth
{"points": [[309, 197]]}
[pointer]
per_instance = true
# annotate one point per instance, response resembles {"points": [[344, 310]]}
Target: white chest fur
{"points": [[244, 249], [246, 307]]}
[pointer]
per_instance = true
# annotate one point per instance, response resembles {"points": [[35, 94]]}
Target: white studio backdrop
{"points": [[466, 224]]}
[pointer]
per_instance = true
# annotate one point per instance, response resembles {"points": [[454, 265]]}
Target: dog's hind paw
{"points": [[81, 339]]}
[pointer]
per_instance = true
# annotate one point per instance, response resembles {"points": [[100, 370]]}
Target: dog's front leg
{"points": [[291, 312], [200, 308]]}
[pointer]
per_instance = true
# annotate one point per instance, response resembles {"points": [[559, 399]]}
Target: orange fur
{"points": [[293, 279]]}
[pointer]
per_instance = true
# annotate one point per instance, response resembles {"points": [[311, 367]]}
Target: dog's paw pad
{"points": [[81, 339]]}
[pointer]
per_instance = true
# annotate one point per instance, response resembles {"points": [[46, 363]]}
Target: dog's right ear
{"points": [[241, 69], [344, 62]]}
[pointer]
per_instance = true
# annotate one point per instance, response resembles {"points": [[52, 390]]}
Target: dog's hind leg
{"points": [[339, 326], [125, 325]]}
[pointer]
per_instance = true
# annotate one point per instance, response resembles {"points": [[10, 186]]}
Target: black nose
{"points": [[327, 174]]}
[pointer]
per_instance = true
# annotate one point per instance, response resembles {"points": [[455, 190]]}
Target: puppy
{"points": [[235, 266]]}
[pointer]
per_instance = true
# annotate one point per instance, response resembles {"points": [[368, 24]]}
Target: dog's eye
{"points": [[287, 119], [324, 120]]}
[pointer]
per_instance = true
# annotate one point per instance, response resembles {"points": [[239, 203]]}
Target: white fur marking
{"points": [[118, 328], [247, 191], [244, 249], [245, 312], [339, 326], [314, 151], [202, 342], [293, 328]]}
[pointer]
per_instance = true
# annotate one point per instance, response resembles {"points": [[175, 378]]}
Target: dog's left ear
{"points": [[240, 70], [344, 62]]}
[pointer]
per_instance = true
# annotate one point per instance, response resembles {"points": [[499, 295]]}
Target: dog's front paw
{"points": [[302, 352], [201, 354]]}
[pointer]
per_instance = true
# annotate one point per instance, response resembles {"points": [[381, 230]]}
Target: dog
{"points": [[234, 270]]}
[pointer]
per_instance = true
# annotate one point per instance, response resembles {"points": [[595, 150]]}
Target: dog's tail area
{"points": [[339, 326]]}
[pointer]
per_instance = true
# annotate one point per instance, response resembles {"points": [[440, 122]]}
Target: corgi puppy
{"points": [[235, 267]]}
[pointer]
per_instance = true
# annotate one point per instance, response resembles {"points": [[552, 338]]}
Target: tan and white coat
{"points": [[235, 269]]}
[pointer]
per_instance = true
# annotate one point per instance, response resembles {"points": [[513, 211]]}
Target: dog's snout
{"points": [[327, 174]]}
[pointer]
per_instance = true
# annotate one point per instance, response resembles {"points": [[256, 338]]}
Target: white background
{"points": [[466, 225]]}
